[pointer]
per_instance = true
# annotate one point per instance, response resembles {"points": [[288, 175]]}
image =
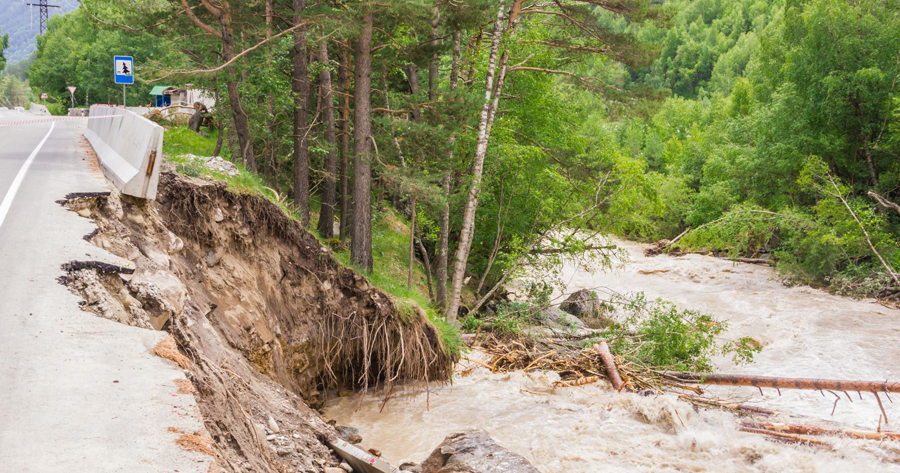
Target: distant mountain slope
{"points": [[22, 23]]}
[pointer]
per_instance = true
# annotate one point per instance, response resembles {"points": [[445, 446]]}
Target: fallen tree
{"points": [[786, 383], [815, 430]]}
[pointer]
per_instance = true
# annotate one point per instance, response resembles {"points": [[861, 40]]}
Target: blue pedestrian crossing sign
{"points": [[124, 69]]}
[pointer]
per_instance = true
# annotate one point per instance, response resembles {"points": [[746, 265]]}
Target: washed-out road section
{"points": [[77, 392]]}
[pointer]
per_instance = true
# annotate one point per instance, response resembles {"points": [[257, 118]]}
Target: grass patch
{"points": [[183, 140], [390, 231]]}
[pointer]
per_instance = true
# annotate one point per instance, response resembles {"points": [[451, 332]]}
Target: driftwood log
{"points": [[788, 383], [813, 430], [609, 363]]}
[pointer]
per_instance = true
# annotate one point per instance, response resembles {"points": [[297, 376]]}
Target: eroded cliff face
{"points": [[266, 316]]}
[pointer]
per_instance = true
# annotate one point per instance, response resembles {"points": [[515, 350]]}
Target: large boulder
{"points": [[587, 306], [474, 451], [557, 319]]}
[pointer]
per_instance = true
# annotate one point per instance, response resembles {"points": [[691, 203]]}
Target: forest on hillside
{"points": [[22, 23], [513, 133]]}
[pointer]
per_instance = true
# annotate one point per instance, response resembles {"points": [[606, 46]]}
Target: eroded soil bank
{"points": [[265, 318]]}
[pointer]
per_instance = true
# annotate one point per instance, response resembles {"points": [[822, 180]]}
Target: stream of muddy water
{"points": [[804, 332]]}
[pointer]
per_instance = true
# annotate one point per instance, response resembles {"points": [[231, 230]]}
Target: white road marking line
{"points": [[11, 193]]}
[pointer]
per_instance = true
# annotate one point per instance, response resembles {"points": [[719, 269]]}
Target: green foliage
{"points": [[743, 231], [75, 52], [728, 154], [57, 109], [14, 92], [658, 335], [511, 317], [4, 43]]}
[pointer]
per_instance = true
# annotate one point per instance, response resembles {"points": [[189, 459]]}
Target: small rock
{"points": [[296, 436], [375, 451], [218, 216], [410, 466], [213, 257], [349, 434], [331, 469], [273, 426], [271, 437], [346, 467], [285, 450], [138, 219], [175, 244], [86, 213]]}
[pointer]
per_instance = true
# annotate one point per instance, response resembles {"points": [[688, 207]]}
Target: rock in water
{"points": [[349, 434], [586, 304], [556, 317], [474, 451]]}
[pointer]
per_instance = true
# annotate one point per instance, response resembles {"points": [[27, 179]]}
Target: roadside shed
{"points": [[163, 95]]}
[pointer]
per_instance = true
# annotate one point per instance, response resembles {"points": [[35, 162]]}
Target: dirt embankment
{"points": [[265, 315]]}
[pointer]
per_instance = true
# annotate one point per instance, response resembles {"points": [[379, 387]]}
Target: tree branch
{"points": [[189, 10], [884, 202], [235, 58]]}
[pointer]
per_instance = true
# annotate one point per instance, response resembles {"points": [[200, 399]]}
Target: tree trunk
{"points": [[412, 243], [468, 220], [344, 73], [195, 121], [300, 89], [271, 165], [433, 67], [440, 276], [219, 136], [427, 267], [361, 229], [870, 163], [454, 68], [241, 122], [413, 74], [443, 250], [326, 215]]}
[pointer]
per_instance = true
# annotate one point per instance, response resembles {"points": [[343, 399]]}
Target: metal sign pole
{"points": [[124, 97]]}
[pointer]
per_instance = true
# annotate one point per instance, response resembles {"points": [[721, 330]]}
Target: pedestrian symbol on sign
{"points": [[124, 69]]}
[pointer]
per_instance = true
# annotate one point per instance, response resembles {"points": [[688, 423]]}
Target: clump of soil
{"points": [[265, 318]]}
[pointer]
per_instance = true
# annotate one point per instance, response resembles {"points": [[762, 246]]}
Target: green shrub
{"points": [[656, 334]]}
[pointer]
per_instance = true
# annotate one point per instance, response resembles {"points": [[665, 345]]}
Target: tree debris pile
{"points": [[578, 366], [267, 317]]}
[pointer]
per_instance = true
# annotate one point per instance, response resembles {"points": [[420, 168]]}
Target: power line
{"points": [[45, 12]]}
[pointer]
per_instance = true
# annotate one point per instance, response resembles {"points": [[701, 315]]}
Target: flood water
{"points": [[804, 332]]}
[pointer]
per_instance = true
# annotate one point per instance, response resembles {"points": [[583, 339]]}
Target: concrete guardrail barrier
{"points": [[129, 147], [39, 109]]}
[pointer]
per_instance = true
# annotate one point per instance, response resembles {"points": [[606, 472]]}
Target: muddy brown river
{"points": [[805, 332]]}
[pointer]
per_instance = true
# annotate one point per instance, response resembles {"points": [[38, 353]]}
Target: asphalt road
{"points": [[78, 393]]}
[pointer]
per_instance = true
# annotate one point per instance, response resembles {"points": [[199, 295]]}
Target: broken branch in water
{"points": [[787, 383], [813, 430], [786, 437]]}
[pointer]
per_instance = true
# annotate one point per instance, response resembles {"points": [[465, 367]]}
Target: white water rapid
{"points": [[804, 332]]}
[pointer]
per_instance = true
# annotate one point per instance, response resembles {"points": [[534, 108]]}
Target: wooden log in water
{"points": [[787, 383], [785, 437], [606, 357], [813, 430]]}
